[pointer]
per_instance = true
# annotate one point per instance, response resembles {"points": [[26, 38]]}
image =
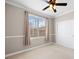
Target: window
{"points": [[42, 27], [37, 26]]}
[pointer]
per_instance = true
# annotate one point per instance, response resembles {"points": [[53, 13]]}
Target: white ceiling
{"points": [[40, 4]]}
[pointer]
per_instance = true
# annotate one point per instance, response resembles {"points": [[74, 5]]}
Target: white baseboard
{"points": [[29, 49]]}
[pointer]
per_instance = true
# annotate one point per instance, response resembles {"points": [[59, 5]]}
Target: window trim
{"points": [[46, 26]]}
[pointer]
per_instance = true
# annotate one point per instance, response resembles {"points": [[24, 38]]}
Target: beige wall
{"points": [[14, 26], [14, 21], [64, 28], [14, 29]]}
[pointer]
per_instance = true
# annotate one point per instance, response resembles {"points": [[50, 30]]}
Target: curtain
{"points": [[47, 30], [26, 29]]}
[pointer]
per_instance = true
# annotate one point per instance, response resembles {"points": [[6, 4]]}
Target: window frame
{"points": [[46, 27]]}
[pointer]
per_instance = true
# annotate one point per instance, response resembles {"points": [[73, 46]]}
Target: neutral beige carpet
{"points": [[47, 52]]}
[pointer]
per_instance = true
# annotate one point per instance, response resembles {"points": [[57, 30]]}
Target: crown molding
{"points": [[14, 4]]}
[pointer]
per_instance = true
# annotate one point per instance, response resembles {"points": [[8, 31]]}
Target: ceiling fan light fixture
{"points": [[50, 8], [54, 7], [50, 5]]}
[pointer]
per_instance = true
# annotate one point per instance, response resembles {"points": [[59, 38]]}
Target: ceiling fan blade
{"points": [[61, 4], [54, 10], [50, 1], [46, 7]]}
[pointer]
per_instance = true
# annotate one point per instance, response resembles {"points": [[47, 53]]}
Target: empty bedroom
{"points": [[39, 29]]}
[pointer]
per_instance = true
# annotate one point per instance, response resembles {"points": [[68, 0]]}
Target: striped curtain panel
{"points": [[26, 29]]}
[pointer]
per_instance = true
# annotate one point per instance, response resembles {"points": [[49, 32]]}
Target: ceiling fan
{"points": [[53, 4]]}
